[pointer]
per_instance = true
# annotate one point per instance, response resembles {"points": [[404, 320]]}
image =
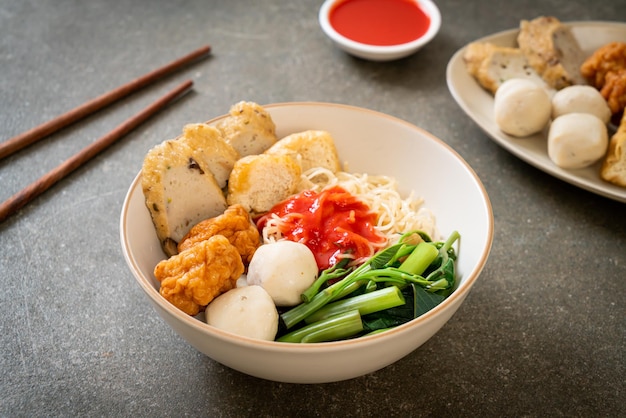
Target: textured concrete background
{"points": [[541, 334]]}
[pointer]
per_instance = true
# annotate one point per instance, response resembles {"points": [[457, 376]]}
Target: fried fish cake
{"points": [[234, 224], [191, 279]]}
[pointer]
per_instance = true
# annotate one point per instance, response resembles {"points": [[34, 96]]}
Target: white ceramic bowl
{"points": [[369, 142], [378, 52]]}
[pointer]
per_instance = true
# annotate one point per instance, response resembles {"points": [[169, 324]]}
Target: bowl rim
{"points": [[331, 346], [428, 6]]}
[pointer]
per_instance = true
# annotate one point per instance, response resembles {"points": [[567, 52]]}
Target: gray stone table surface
{"points": [[541, 334]]}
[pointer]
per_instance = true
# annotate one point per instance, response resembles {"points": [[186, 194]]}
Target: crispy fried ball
{"points": [[610, 57], [194, 277], [605, 69], [235, 224], [614, 90]]}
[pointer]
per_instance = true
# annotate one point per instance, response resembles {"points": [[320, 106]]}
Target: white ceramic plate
{"points": [[478, 104]]}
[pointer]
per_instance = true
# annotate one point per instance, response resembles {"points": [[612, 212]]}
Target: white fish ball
{"points": [[580, 99], [248, 311], [521, 107], [284, 269], [577, 140]]}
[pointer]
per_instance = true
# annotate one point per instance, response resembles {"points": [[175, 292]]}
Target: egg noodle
{"points": [[396, 215]]}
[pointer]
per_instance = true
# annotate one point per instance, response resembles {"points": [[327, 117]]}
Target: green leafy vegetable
{"points": [[419, 277], [418, 302], [335, 272], [445, 262]]}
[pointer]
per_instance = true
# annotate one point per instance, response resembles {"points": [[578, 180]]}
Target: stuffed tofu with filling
{"points": [[180, 191], [248, 128]]}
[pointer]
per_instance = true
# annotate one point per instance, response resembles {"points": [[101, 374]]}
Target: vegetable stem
{"points": [[388, 297], [418, 261], [335, 272], [333, 328], [451, 240]]}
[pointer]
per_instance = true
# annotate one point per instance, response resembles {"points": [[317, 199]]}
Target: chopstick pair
{"points": [[21, 198]]}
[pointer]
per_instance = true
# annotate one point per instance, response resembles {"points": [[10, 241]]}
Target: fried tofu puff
{"points": [[191, 279], [234, 224], [248, 128]]}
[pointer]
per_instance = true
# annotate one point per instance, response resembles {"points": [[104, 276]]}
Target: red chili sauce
{"points": [[379, 22], [330, 223]]}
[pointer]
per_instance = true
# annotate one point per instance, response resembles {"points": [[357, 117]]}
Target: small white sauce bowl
{"points": [[378, 52]]}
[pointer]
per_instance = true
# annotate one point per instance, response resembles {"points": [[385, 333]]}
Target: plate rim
{"points": [[597, 186]]}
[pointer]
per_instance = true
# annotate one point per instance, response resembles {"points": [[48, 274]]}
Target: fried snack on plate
{"points": [[552, 50], [180, 191], [258, 182], [608, 58], [191, 279], [249, 128], [605, 69], [234, 224], [492, 65], [614, 90], [311, 149], [614, 166], [209, 146]]}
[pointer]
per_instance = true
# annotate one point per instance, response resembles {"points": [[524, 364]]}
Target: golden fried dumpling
{"points": [[191, 279], [234, 224], [180, 191], [249, 128]]}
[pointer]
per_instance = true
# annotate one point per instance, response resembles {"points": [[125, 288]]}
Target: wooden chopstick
{"points": [[20, 141], [21, 198]]}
